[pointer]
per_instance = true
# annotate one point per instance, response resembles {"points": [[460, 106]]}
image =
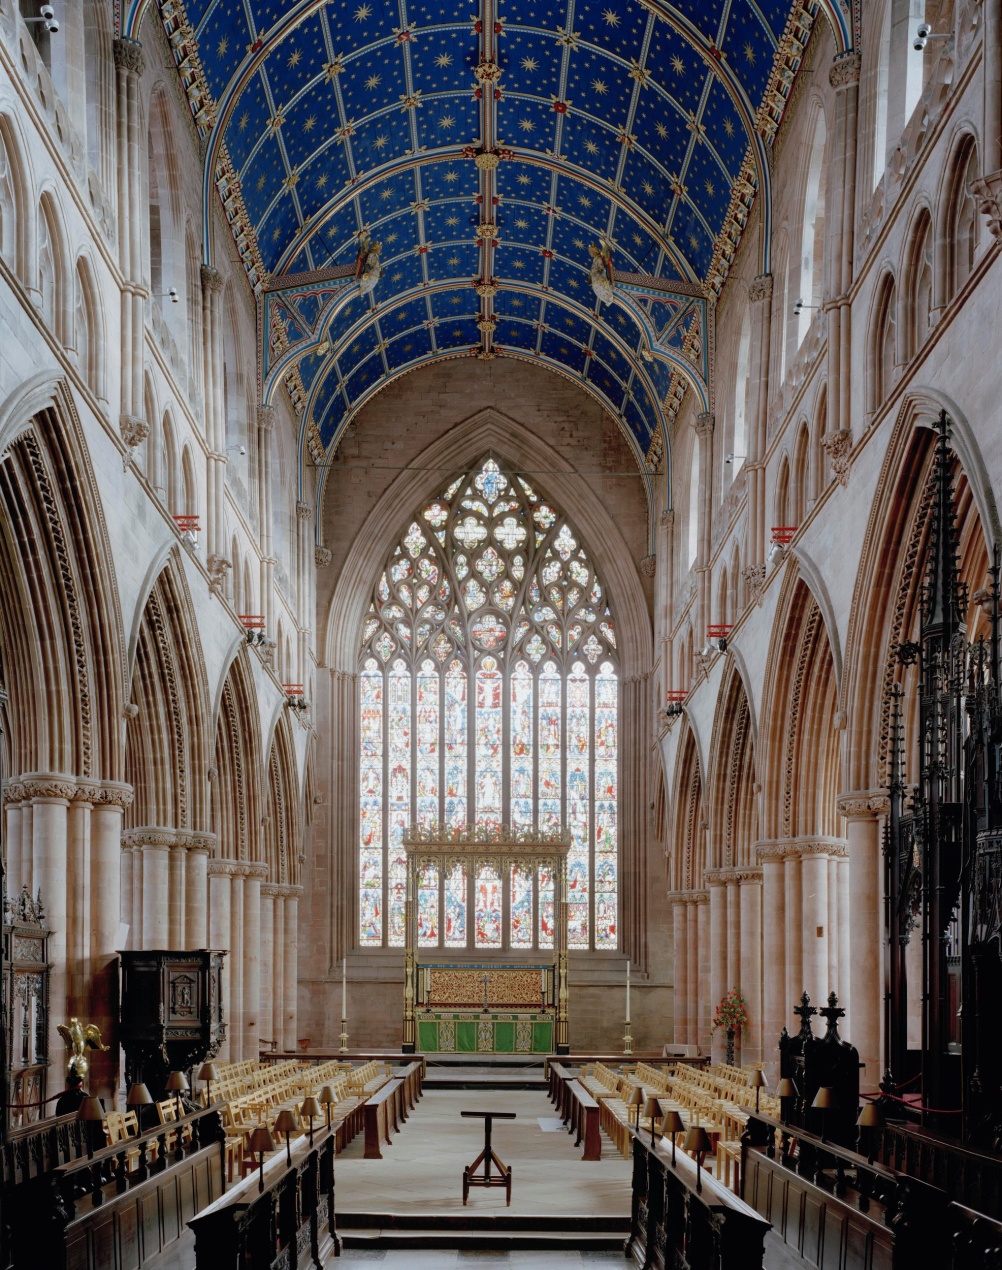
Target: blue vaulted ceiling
{"points": [[613, 119]]}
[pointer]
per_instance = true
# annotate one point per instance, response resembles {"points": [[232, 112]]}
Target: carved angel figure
{"points": [[369, 268], [80, 1037], [600, 274]]}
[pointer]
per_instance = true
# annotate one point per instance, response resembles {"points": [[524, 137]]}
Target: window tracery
{"points": [[489, 694]]}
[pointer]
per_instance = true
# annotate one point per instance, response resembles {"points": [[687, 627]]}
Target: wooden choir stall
{"points": [[486, 954]]}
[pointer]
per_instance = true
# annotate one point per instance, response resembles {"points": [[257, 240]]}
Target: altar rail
{"points": [[673, 1224], [290, 1223], [37, 1149], [127, 1203]]}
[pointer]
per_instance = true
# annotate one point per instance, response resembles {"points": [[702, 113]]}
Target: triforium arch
{"points": [[733, 804], [237, 768], [167, 749]]}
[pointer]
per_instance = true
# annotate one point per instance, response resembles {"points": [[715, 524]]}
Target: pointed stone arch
{"points": [[167, 748], [282, 836], [732, 817], [237, 766]]}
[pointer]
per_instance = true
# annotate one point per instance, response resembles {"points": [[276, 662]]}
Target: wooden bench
{"points": [[584, 1117], [381, 1111]]}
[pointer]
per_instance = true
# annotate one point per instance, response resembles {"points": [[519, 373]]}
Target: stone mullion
{"points": [[840, 226], [666, 574], [631, 816], [704, 430], [129, 66], [760, 304], [345, 775]]}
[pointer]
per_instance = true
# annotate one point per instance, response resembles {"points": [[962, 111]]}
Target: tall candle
{"points": [[627, 992], [344, 987]]}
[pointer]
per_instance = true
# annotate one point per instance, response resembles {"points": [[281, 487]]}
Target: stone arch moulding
{"points": [[725, 788], [811, 575], [457, 449], [231, 654], [863, 667], [83, 527], [688, 810]]}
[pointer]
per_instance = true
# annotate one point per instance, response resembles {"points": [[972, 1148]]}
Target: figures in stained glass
{"points": [[427, 906], [488, 693], [487, 908], [520, 910], [455, 906]]}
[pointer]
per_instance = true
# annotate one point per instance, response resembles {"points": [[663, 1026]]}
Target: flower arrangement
{"points": [[732, 1012]]}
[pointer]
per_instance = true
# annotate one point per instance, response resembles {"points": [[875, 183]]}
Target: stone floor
{"points": [[422, 1172]]}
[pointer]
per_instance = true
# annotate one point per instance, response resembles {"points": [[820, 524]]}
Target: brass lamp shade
{"points": [[786, 1088], [90, 1109], [287, 1123], [207, 1071], [138, 1096], [328, 1099], [671, 1124], [636, 1098], [697, 1140], [652, 1108], [177, 1082], [870, 1116], [824, 1099], [757, 1079], [261, 1140]]}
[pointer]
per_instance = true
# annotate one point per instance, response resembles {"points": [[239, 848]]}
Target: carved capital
{"points": [[864, 804], [844, 71], [266, 418], [838, 447], [13, 792], [648, 566], [987, 191], [304, 511], [754, 576], [49, 789], [218, 567], [113, 794], [158, 838], [761, 288], [212, 280], [322, 556], [128, 55], [703, 424]]}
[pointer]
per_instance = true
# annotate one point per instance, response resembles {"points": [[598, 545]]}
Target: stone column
{"points": [[774, 1003], [219, 938], [833, 926], [106, 859], [792, 885], [305, 571], [703, 1013], [50, 800], [156, 884], [681, 966], [814, 919], [760, 302], [236, 959], [692, 971], [865, 885], [12, 837], [265, 428], [196, 895], [28, 843], [733, 930], [78, 899], [291, 975], [278, 967], [840, 224], [130, 145], [176, 902], [704, 431], [750, 971], [266, 1012], [212, 378], [718, 956], [252, 960]]}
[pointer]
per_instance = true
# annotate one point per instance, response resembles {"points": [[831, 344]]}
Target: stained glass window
{"points": [[487, 907], [488, 693]]}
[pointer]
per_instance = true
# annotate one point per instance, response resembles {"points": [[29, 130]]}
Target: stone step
{"points": [[483, 1238]]}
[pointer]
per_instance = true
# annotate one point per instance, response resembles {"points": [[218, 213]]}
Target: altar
{"points": [[486, 953]]}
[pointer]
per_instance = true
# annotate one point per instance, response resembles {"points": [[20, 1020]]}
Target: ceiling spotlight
{"points": [[728, 458], [924, 33], [47, 16]]}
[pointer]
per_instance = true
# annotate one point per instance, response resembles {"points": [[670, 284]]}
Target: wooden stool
{"points": [[486, 1156]]}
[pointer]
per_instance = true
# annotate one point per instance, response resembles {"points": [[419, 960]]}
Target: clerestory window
{"points": [[489, 695]]}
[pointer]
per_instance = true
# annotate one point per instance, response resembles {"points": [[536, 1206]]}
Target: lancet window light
{"points": [[489, 695]]}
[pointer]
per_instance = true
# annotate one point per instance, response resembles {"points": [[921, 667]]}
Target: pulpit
{"points": [[486, 951], [172, 1012]]}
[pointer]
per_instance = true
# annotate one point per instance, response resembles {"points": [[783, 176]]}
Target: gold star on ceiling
{"points": [[611, 17], [372, 82], [443, 60], [362, 12], [447, 121], [380, 142], [677, 65], [295, 57], [451, 176], [600, 86], [529, 64]]}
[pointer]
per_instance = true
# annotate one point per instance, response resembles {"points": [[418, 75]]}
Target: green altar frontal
{"points": [[462, 1033]]}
